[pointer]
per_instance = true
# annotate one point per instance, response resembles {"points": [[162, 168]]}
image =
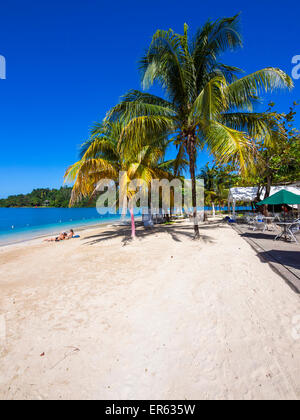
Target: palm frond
{"points": [[259, 126], [137, 130], [135, 104], [209, 42], [242, 92], [229, 145], [167, 61], [211, 101]]}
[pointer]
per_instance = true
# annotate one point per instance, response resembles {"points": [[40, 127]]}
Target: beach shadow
{"points": [[287, 258], [213, 225], [176, 232], [259, 235]]}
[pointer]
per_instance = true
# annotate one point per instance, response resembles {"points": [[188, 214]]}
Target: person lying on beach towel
{"points": [[60, 237], [63, 236], [71, 234]]}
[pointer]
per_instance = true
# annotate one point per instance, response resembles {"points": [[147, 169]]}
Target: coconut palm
{"points": [[216, 182], [205, 103], [103, 158], [210, 176]]}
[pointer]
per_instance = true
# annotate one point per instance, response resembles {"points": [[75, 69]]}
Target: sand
{"points": [[164, 317]]}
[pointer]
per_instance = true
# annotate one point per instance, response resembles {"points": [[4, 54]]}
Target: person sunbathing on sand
{"points": [[71, 234], [60, 237]]}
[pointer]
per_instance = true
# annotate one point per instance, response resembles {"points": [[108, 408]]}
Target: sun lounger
{"points": [[148, 220]]}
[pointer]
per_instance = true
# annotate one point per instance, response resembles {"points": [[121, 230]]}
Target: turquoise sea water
{"points": [[26, 223], [22, 224]]}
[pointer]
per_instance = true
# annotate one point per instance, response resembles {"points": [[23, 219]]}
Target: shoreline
{"points": [[80, 228], [18, 227]]}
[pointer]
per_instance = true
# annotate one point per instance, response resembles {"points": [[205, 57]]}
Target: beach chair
{"points": [[260, 224], [293, 229], [250, 221], [147, 221]]}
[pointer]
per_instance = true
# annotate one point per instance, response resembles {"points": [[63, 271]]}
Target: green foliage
{"points": [[282, 159], [276, 161], [277, 158], [217, 181], [43, 197], [103, 157], [205, 103]]}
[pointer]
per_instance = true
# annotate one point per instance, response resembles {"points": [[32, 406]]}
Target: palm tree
{"points": [[210, 176], [205, 103], [102, 157], [217, 181]]}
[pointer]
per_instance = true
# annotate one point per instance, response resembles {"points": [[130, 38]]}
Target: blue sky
{"points": [[68, 62]]}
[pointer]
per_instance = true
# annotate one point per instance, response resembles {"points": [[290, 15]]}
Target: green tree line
{"points": [[44, 197]]}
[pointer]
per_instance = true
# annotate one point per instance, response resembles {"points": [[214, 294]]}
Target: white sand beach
{"points": [[164, 317]]}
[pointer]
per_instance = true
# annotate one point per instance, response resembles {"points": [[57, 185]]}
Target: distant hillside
{"points": [[43, 197]]}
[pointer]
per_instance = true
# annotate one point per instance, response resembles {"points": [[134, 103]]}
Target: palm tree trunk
{"points": [[171, 204], [132, 223], [192, 154], [213, 209]]}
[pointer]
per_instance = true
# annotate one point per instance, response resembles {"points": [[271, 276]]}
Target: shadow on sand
{"points": [[258, 235], [176, 232], [288, 258]]}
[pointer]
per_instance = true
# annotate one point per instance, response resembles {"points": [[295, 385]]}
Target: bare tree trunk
{"points": [[259, 190], [192, 154], [267, 194], [268, 187]]}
